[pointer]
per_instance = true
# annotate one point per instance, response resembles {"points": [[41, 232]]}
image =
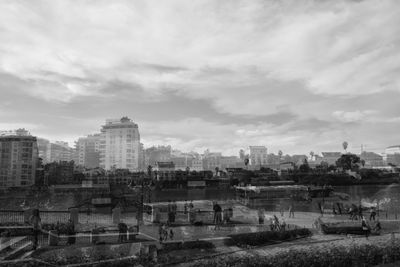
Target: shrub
{"points": [[198, 244], [321, 256], [261, 238]]}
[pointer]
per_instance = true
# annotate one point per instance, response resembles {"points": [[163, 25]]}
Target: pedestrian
{"points": [[277, 224], [160, 232], [261, 216], [36, 223], [165, 232], [339, 208], [171, 234], [360, 213], [71, 232], [191, 206], [174, 211], [185, 207], [272, 224], [365, 227], [217, 215], [372, 215], [377, 227], [123, 230], [170, 213], [283, 224], [281, 210], [291, 211]]}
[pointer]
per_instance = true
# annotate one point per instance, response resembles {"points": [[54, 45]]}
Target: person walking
{"points": [[174, 211], [377, 227], [281, 210], [160, 232], [36, 223], [71, 233], [372, 215], [261, 216], [283, 224], [365, 227], [165, 232], [170, 213], [291, 211], [171, 234], [185, 207], [217, 215]]}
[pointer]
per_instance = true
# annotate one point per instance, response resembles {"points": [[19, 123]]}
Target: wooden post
{"points": [[74, 216], [116, 215]]}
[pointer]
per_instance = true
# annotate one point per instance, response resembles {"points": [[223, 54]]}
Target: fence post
{"points": [[116, 215], [27, 215], [53, 238], [74, 216]]}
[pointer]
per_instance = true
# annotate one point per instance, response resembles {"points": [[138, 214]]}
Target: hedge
{"points": [[262, 238], [326, 256], [197, 244]]}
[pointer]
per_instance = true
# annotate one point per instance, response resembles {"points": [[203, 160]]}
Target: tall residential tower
{"points": [[18, 159], [120, 145]]}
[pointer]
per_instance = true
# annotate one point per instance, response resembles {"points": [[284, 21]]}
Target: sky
{"points": [[296, 76]]}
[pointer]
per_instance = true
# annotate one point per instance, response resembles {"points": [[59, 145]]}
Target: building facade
{"points": [[371, 159], [392, 155], [88, 151], [258, 155], [120, 144], [331, 157], [18, 159], [157, 154]]}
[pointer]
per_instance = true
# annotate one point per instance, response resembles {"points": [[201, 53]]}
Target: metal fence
{"points": [[11, 216], [19, 217]]}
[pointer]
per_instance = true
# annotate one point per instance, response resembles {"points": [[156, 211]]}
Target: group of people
{"points": [[275, 224], [290, 210], [164, 231], [368, 229]]}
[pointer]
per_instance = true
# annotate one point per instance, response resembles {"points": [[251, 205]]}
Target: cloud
{"points": [[257, 67], [353, 116]]}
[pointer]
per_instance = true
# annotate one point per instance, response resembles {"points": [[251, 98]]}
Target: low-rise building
{"points": [[371, 159], [258, 155], [331, 157]]}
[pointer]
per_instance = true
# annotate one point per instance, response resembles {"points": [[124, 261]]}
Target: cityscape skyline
{"points": [[292, 76]]}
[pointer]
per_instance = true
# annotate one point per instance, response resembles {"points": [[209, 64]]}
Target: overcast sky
{"points": [[293, 75]]}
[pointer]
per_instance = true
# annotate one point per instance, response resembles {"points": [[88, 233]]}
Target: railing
{"points": [[20, 217], [11, 216], [54, 216]]}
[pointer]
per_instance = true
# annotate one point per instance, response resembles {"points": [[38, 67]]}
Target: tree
{"points": [[362, 162], [149, 170], [348, 162], [345, 145], [304, 167], [216, 171]]}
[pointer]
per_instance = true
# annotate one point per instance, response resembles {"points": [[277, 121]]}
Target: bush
{"points": [[198, 244], [261, 238], [321, 256]]}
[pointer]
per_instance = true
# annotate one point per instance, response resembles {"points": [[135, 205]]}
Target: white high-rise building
{"points": [[120, 144], [258, 155]]}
